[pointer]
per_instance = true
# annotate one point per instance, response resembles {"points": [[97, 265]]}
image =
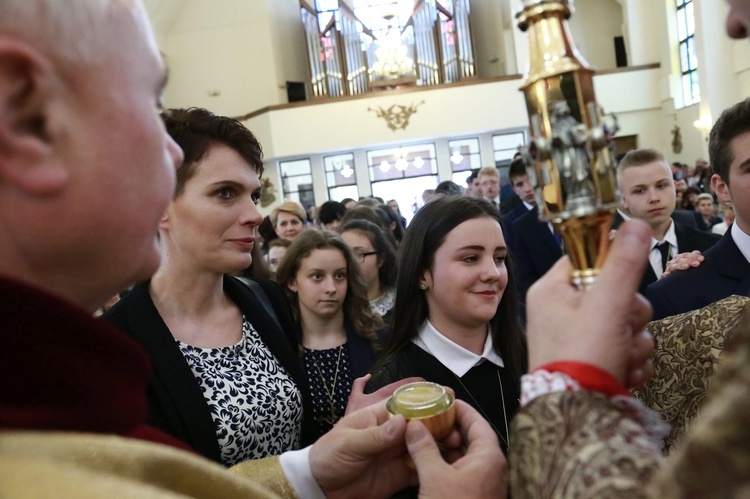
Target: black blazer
{"points": [[687, 240], [176, 403], [508, 220], [535, 250], [724, 272]]}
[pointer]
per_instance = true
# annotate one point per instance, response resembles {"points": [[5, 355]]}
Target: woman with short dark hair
{"points": [[226, 378]]}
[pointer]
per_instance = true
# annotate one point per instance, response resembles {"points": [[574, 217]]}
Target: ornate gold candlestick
{"points": [[568, 155]]}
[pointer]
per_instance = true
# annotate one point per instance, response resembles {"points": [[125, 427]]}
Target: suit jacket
{"points": [[687, 240], [724, 272], [175, 402], [508, 220], [535, 250]]}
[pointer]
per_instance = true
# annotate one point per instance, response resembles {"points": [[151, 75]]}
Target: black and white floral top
{"points": [[255, 404]]}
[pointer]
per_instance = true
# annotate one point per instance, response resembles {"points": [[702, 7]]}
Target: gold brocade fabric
{"points": [[688, 348], [580, 444], [55, 464]]}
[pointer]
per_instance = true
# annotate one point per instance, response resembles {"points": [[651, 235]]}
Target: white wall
{"points": [[594, 24], [226, 50], [488, 27]]}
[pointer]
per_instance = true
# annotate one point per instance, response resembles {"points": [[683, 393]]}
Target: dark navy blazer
{"points": [[724, 272]]}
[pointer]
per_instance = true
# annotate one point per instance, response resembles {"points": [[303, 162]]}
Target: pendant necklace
{"points": [[333, 418], [502, 401]]}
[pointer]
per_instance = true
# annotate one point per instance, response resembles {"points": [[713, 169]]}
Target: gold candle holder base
{"points": [[587, 244]]}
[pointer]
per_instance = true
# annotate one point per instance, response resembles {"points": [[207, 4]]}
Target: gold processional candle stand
{"points": [[568, 156]]}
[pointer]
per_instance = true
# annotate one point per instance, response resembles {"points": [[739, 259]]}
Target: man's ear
{"points": [[27, 85], [721, 189]]}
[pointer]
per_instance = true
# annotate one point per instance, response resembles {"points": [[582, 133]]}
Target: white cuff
{"points": [[542, 382], [296, 466]]}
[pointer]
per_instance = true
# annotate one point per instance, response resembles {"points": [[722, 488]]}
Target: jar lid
{"points": [[421, 399]]}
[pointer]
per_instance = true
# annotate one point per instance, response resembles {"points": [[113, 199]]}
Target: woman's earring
{"points": [[422, 286]]}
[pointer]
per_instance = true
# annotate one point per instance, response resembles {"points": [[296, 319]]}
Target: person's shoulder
{"points": [[529, 218], [131, 300], [696, 239], [395, 366]]}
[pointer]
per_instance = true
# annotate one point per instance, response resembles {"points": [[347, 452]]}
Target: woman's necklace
{"points": [[502, 400], [333, 418]]}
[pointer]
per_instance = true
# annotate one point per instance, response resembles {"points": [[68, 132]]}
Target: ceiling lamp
{"points": [[385, 166], [456, 157], [401, 164], [418, 162]]}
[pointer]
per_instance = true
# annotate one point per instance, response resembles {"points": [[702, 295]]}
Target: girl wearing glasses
{"points": [[339, 339], [454, 321], [377, 259]]}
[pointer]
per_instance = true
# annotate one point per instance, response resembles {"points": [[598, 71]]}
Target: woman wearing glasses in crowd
{"points": [[377, 259], [454, 321], [226, 376], [339, 338]]}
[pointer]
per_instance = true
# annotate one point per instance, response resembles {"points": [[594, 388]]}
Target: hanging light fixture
{"points": [[456, 157], [346, 171], [418, 162], [384, 166], [401, 164]]}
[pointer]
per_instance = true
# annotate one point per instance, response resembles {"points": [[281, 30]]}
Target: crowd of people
{"points": [[252, 356]]}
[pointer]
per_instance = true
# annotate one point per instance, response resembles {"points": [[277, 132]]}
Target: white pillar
{"points": [[718, 81]]}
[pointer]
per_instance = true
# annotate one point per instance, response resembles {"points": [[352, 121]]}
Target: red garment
{"points": [[63, 369]]}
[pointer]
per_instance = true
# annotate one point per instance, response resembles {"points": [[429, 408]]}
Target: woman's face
{"points": [[211, 225], [360, 243], [468, 277], [288, 225], [321, 283]]}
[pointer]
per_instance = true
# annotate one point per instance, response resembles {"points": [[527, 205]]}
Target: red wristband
{"points": [[590, 377]]}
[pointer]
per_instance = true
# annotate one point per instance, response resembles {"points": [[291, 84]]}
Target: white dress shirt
{"points": [[654, 257], [742, 241], [452, 355]]}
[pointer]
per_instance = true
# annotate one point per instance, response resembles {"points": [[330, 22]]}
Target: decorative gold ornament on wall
{"points": [[396, 116], [676, 140], [267, 197]]}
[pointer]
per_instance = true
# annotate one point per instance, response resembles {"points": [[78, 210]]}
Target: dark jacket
{"points": [[688, 239], [724, 272], [176, 403], [535, 250]]}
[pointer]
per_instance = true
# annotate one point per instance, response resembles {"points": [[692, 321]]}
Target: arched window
{"points": [[688, 58]]}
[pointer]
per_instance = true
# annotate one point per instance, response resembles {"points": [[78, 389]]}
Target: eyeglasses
{"points": [[361, 256]]}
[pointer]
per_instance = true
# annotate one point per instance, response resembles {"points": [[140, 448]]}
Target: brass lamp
{"points": [[568, 155]]}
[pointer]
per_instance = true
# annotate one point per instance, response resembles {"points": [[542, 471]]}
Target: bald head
{"points": [[56, 25]]}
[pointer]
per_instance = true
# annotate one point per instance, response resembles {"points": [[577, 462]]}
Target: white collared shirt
{"points": [[654, 256], [528, 206], [742, 241], [452, 355]]}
